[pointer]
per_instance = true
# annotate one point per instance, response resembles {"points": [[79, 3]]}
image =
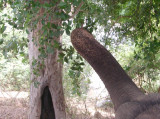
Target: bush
{"points": [[14, 74]]}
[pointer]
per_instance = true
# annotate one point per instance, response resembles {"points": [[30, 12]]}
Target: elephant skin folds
{"points": [[129, 101]]}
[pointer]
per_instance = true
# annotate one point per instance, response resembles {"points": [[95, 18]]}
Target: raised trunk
{"points": [[117, 82]]}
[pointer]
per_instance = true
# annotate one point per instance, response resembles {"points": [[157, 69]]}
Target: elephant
{"points": [[129, 101]]}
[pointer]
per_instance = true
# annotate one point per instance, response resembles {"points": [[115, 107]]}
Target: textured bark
{"points": [[50, 76], [118, 83], [50, 79]]}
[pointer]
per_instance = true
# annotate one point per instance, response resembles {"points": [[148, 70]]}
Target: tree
{"points": [[45, 21], [44, 59], [47, 99]]}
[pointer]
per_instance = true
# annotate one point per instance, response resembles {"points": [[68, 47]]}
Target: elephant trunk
{"points": [[117, 82]]}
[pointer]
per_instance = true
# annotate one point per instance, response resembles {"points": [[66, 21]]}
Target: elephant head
{"points": [[129, 101]]}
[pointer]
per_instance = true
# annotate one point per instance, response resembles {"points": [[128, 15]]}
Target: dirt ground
{"points": [[86, 109], [13, 108], [16, 107]]}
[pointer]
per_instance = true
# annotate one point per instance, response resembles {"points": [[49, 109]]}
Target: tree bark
{"points": [[46, 100]]}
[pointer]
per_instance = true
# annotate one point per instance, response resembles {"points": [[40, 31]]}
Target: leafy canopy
{"points": [[122, 20]]}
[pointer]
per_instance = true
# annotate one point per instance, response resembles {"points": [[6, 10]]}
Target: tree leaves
{"points": [[1, 41], [50, 50], [62, 5], [2, 29]]}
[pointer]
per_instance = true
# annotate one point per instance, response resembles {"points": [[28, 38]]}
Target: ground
{"points": [[14, 105], [13, 108]]}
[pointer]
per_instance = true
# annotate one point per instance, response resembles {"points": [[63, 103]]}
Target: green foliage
{"points": [[122, 20], [76, 72], [14, 66], [145, 75], [11, 39], [137, 22], [24, 15], [14, 74], [75, 82]]}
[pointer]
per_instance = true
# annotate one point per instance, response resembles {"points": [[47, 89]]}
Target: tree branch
{"points": [[77, 10]]}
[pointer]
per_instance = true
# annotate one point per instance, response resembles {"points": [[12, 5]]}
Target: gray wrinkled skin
{"points": [[129, 101], [146, 107]]}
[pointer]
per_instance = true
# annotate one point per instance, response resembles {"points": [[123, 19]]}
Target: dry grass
{"points": [[86, 109], [13, 108], [17, 108]]}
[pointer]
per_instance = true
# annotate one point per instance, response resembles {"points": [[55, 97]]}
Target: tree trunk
{"points": [[46, 100], [50, 77]]}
